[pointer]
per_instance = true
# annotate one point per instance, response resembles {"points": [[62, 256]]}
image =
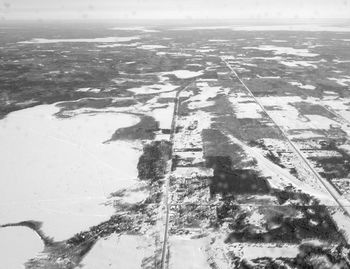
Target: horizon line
{"points": [[209, 20]]}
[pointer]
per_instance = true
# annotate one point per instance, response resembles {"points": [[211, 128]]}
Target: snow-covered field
{"points": [[151, 47], [245, 107], [289, 117], [188, 254], [284, 50], [164, 116], [303, 86], [342, 81], [58, 171], [135, 28], [298, 64], [184, 74], [152, 89], [202, 99], [119, 251], [250, 251]]}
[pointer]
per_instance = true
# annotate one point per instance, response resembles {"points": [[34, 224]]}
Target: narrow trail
{"points": [[328, 187], [165, 245]]}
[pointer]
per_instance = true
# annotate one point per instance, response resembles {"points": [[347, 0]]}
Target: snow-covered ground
{"points": [[280, 178], [115, 45], [289, 117], [298, 64], [193, 172], [125, 251], [188, 253], [303, 86], [342, 81], [218, 40], [94, 90], [304, 135], [164, 116], [17, 246], [184, 74], [175, 54], [284, 50], [152, 89], [201, 99], [253, 251], [151, 47], [135, 28], [58, 171], [245, 107]]}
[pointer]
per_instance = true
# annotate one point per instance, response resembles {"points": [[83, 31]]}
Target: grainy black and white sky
{"points": [[172, 9]]}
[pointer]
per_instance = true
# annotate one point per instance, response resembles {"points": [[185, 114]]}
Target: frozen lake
{"points": [[59, 172]]}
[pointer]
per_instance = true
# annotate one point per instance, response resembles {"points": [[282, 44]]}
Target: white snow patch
{"points": [[167, 94], [280, 178], [298, 64], [188, 253], [284, 50], [278, 41], [206, 92], [184, 74], [151, 47], [245, 110], [303, 86], [18, 245], [289, 117], [193, 172], [201, 99], [83, 89], [201, 104], [116, 45], [135, 197], [256, 218], [304, 135], [176, 54], [320, 122], [342, 222], [125, 251], [135, 28], [95, 90], [190, 28], [268, 77], [252, 252], [164, 116], [152, 89], [341, 81], [218, 40]]}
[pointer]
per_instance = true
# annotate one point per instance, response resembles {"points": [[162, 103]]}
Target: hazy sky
{"points": [[172, 9]]}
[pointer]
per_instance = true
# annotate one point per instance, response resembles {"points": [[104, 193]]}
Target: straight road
{"points": [[167, 178], [342, 202]]}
